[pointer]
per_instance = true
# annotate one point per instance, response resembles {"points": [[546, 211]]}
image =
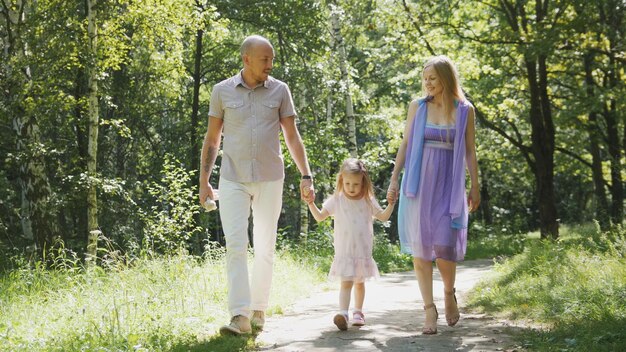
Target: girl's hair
{"points": [[449, 78], [355, 166]]}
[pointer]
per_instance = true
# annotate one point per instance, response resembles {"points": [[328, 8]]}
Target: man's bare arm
{"points": [[210, 149]]}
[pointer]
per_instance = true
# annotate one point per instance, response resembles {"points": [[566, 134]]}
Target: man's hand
{"points": [[307, 192], [206, 191]]}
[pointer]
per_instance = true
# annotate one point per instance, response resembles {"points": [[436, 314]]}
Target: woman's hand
{"points": [[473, 200], [393, 192]]}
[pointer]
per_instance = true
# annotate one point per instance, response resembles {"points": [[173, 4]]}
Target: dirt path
{"points": [[394, 319]]}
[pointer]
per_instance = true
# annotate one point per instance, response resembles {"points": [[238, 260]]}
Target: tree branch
{"points": [[417, 27], [525, 150], [573, 156]]}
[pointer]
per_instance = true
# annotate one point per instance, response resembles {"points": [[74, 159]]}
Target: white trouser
{"points": [[236, 198]]}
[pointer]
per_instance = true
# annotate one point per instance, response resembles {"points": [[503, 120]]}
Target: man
{"points": [[251, 108]]}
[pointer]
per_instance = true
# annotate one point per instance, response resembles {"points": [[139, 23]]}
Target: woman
{"points": [[438, 142]]}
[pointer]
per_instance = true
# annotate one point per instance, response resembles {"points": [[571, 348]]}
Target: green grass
{"points": [[163, 304], [575, 288], [489, 242], [172, 303]]}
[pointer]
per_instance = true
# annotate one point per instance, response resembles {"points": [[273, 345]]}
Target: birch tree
{"points": [[335, 18], [92, 148], [35, 212]]}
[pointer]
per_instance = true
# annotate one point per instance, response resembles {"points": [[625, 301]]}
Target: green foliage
{"points": [[388, 256], [576, 286], [146, 60], [486, 241], [316, 249], [170, 223]]}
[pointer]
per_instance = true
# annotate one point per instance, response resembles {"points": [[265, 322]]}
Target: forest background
{"points": [[104, 106]]}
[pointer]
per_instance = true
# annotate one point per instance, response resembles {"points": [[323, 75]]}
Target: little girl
{"points": [[353, 206]]}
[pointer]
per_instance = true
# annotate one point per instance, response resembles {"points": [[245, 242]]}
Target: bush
{"points": [[170, 223], [492, 241], [388, 256]]}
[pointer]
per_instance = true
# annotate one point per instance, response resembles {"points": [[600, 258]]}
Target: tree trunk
{"points": [[329, 108], [304, 208], [602, 212], [485, 206], [345, 78], [92, 146], [37, 220], [542, 125], [614, 144], [612, 19], [617, 190], [542, 135], [194, 138]]}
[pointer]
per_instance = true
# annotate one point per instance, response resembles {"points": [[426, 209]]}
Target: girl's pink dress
{"points": [[353, 237]]}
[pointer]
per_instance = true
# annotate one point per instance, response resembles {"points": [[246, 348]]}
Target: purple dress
{"points": [[424, 220]]}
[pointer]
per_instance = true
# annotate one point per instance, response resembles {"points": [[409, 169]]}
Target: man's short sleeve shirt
{"points": [[251, 146]]}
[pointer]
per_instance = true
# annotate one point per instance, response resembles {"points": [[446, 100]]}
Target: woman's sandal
{"points": [[452, 319], [430, 330]]}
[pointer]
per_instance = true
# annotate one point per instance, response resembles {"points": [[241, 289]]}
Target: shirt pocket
{"points": [[269, 109], [233, 109], [233, 104]]}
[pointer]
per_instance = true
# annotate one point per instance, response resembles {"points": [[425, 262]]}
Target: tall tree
{"points": [[602, 212], [194, 153], [611, 18], [36, 213], [521, 34], [92, 149], [536, 25], [335, 18]]}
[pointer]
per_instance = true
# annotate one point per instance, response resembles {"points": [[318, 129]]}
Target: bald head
{"points": [[252, 42]]}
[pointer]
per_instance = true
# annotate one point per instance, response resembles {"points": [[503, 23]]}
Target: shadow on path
{"points": [[394, 316]]}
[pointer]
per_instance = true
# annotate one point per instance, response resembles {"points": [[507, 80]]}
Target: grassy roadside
{"points": [[163, 304], [575, 288], [174, 303]]}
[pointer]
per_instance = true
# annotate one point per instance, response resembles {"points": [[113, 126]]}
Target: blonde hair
{"points": [[449, 76], [355, 166]]}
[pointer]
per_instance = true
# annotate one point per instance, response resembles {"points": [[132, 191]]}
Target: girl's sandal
{"points": [[453, 318], [430, 329]]}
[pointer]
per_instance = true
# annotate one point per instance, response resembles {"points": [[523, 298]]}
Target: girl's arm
{"points": [[386, 214], [317, 214], [472, 164]]}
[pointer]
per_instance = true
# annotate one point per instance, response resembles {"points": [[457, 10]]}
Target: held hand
{"points": [[392, 192], [473, 200], [307, 192], [311, 197]]}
